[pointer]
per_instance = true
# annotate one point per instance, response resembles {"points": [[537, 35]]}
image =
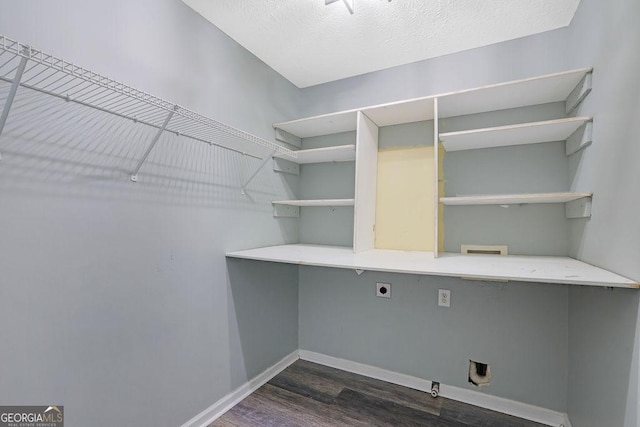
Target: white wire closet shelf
{"points": [[26, 67]]}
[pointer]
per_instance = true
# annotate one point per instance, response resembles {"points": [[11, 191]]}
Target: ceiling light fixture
{"points": [[348, 3]]}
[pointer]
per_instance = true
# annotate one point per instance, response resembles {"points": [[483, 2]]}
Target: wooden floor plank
{"points": [[275, 405], [319, 383], [254, 411], [328, 412], [480, 417], [402, 395], [307, 386], [311, 395], [380, 412]]}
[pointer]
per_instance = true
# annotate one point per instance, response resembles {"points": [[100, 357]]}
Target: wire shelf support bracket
{"points": [[134, 174], [13, 90], [243, 190]]}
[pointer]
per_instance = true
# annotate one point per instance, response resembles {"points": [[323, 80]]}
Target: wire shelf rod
{"points": [[55, 87], [89, 89], [117, 104], [12, 94], [48, 75], [51, 75], [66, 90], [150, 115], [32, 66], [122, 104], [80, 102], [101, 96], [175, 131], [190, 128], [202, 138]]}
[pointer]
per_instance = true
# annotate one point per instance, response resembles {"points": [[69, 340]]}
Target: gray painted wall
{"points": [[604, 325], [149, 312], [520, 58], [519, 329], [603, 35], [537, 168], [116, 294], [526, 229], [603, 350], [327, 225], [339, 313]]}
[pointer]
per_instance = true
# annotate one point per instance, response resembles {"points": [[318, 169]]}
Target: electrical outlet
{"points": [[444, 297], [383, 290]]}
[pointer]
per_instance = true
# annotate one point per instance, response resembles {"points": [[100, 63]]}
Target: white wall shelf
{"points": [[526, 133], [560, 270], [568, 86], [318, 203], [397, 113], [326, 124], [513, 199], [339, 153]]}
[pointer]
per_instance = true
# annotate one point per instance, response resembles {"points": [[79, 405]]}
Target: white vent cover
{"points": [[484, 249]]}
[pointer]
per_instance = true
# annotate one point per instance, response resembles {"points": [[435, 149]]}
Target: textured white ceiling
{"points": [[310, 43]]}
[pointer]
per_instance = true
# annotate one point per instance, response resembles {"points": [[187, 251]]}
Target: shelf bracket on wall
{"points": [[264, 162], [579, 93], [13, 90], [286, 211], [580, 208], [288, 138], [156, 138], [580, 139], [285, 166]]}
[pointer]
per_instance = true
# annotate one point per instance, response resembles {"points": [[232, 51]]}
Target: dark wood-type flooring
{"points": [[308, 394]]}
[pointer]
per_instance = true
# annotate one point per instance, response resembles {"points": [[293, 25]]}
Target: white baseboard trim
{"points": [[472, 397], [213, 412]]}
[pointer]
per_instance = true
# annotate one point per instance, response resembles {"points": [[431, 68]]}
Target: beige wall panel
{"points": [[405, 199]]}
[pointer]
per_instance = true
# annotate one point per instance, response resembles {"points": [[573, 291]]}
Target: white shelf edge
{"points": [[317, 202], [323, 124], [518, 134], [512, 199], [287, 126], [340, 153], [366, 184], [537, 269], [284, 125], [584, 71]]}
